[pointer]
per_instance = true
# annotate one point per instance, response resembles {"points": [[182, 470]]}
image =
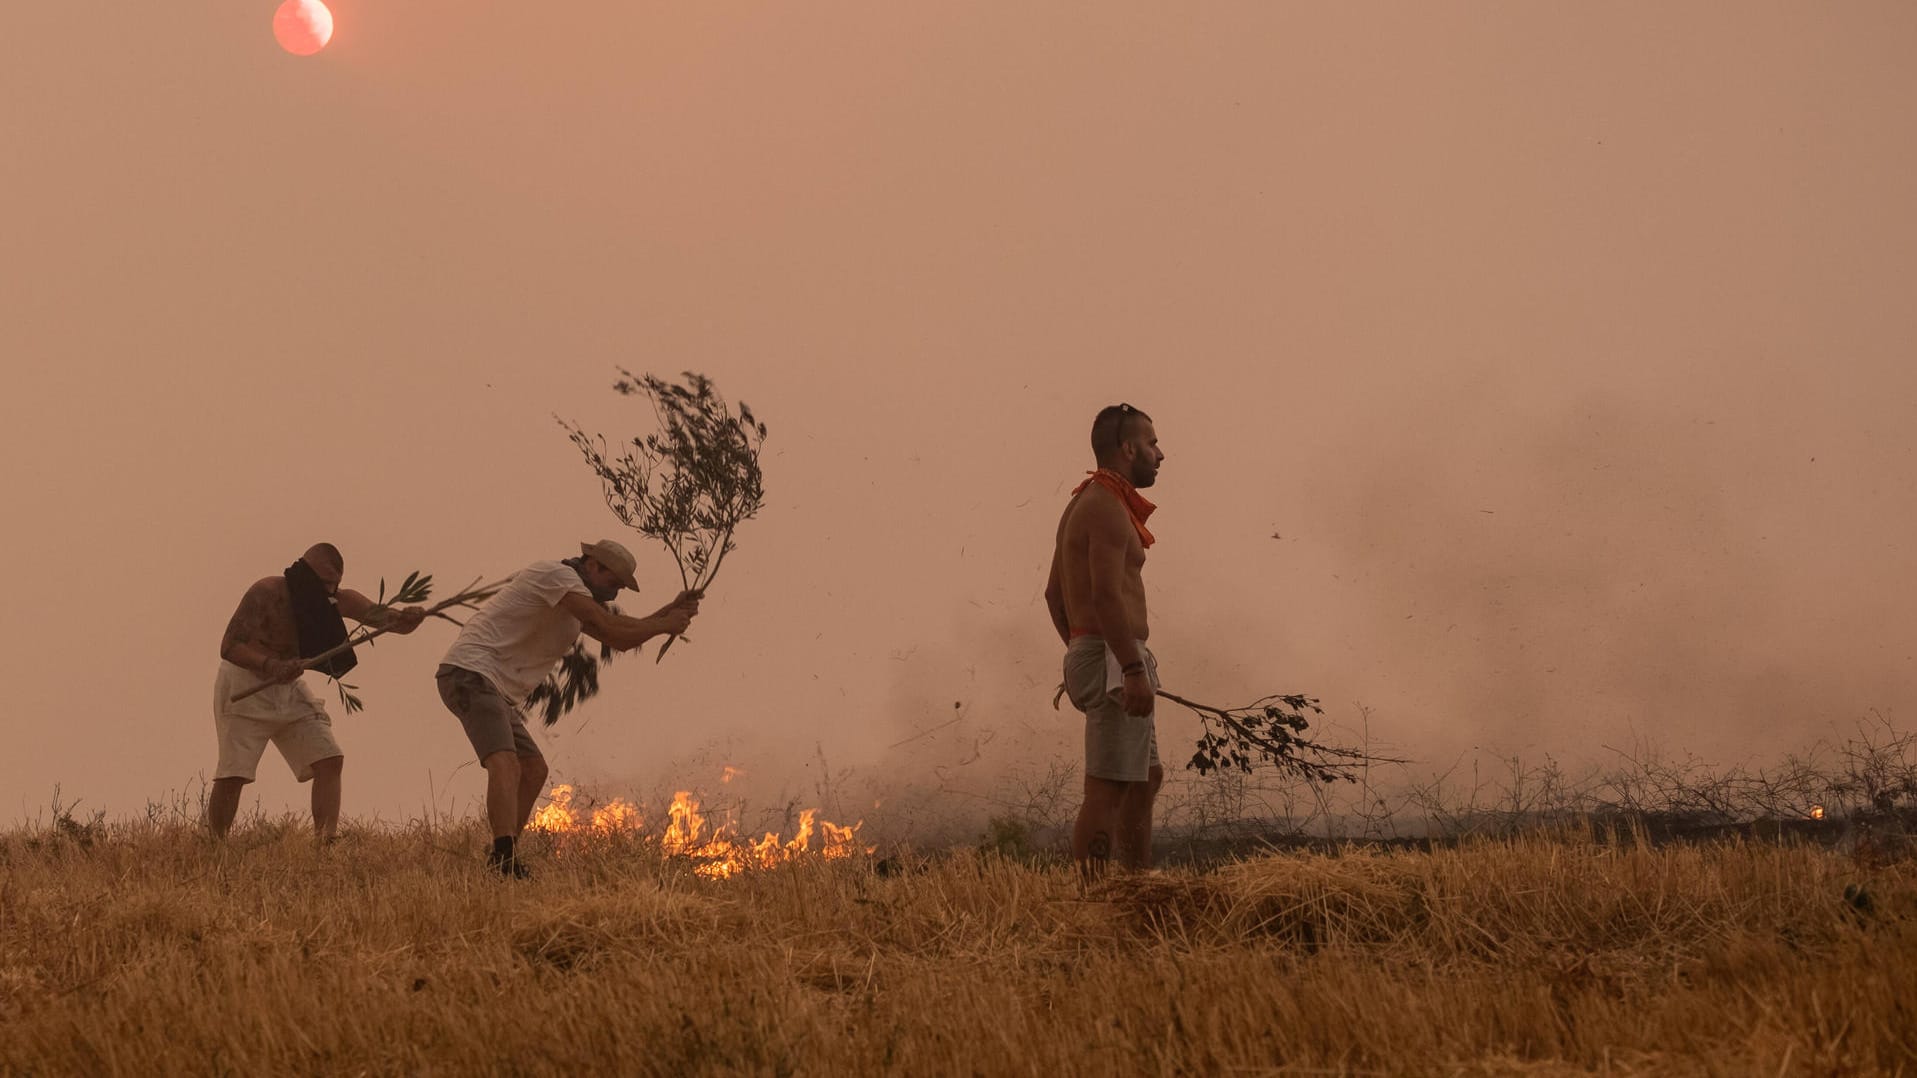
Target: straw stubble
{"points": [[147, 950]]}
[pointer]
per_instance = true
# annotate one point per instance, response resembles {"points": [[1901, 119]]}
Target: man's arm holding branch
{"points": [[1110, 539], [625, 633], [365, 611], [687, 601], [1110, 531]]}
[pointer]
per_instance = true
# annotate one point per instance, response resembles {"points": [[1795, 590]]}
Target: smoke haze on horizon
{"points": [[1535, 382]]}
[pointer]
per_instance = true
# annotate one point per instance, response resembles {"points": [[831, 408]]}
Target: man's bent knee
{"points": [[533, 767], [503, 758], [332, 765]]}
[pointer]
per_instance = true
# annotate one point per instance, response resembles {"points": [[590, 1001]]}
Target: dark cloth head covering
{"points": [[602, 596], [316, 617]]}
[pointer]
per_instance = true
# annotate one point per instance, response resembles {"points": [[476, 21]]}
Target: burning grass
{"points": [[147, 949], [716, 851]]}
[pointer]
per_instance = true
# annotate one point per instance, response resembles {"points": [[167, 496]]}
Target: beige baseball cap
{"points": [[614, 557]]}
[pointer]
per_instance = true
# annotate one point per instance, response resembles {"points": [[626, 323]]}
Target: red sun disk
{"points": [[302, 27]]}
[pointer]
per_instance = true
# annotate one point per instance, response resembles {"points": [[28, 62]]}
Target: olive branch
{"points": [[1270, 730], [688, 485], [416, 588], [574, 681]]}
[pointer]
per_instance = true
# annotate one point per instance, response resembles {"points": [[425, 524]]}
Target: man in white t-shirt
{"points": [[508, 648]]}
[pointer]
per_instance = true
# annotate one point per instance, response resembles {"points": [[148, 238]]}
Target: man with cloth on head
{"points": [[1096, 596], [508, 648], [282, 621]]}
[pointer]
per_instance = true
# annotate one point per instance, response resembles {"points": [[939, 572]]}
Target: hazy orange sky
{"points": [[1536, 377]]}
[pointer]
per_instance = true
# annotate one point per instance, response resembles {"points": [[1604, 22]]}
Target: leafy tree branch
{"points": [[688, 486]]}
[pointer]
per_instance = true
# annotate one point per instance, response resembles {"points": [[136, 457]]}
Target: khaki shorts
{"points": [[1119, 747], [492, 723], [288, 715]]}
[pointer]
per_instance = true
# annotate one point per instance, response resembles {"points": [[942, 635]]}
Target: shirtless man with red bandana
{"points": [[1096, 596]]}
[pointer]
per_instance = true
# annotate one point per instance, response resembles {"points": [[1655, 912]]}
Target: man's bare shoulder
{"points": [[264, 615], [1097, 509], [267, 595]]}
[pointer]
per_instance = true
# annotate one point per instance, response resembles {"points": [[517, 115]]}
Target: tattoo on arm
{"points": [[245, 627]]}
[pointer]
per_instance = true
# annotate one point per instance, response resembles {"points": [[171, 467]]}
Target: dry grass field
{"points": [[142, 948]]}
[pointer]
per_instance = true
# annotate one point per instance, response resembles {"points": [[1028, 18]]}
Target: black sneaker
{"points": [[507, 865]]}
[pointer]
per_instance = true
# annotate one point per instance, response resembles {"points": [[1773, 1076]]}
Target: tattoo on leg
{"points": [[1100, 847]]}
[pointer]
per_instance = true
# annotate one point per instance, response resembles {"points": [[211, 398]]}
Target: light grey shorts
{"points": [[288, 715], [492, 723], [1119, 747]]}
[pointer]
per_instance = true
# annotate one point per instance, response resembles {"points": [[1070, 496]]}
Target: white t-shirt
{"points": [[516, 637]]}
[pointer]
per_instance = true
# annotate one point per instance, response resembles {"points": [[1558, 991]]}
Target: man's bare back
{"points": [[263, 623]]}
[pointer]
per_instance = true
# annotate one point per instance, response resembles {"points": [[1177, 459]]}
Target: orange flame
{"points": [[1817, 812], [560, 815], [719, 854]]}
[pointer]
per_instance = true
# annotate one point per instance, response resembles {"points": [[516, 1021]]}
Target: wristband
{"points": [[1133, 667]]}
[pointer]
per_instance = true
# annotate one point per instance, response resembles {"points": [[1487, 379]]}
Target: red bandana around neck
{"points": [[1135, 503]]}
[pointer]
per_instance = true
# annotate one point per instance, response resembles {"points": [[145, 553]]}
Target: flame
{"points": [[731, 773], [1817, 812], [558, 814], [617, 815], [717, 853]]}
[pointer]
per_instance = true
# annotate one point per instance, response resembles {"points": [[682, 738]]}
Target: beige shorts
{"points": [[288, 715], [1119, 747]]}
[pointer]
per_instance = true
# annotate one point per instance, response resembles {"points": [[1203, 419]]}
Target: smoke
{"points": [[1591, 570], [1601, 565]]}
